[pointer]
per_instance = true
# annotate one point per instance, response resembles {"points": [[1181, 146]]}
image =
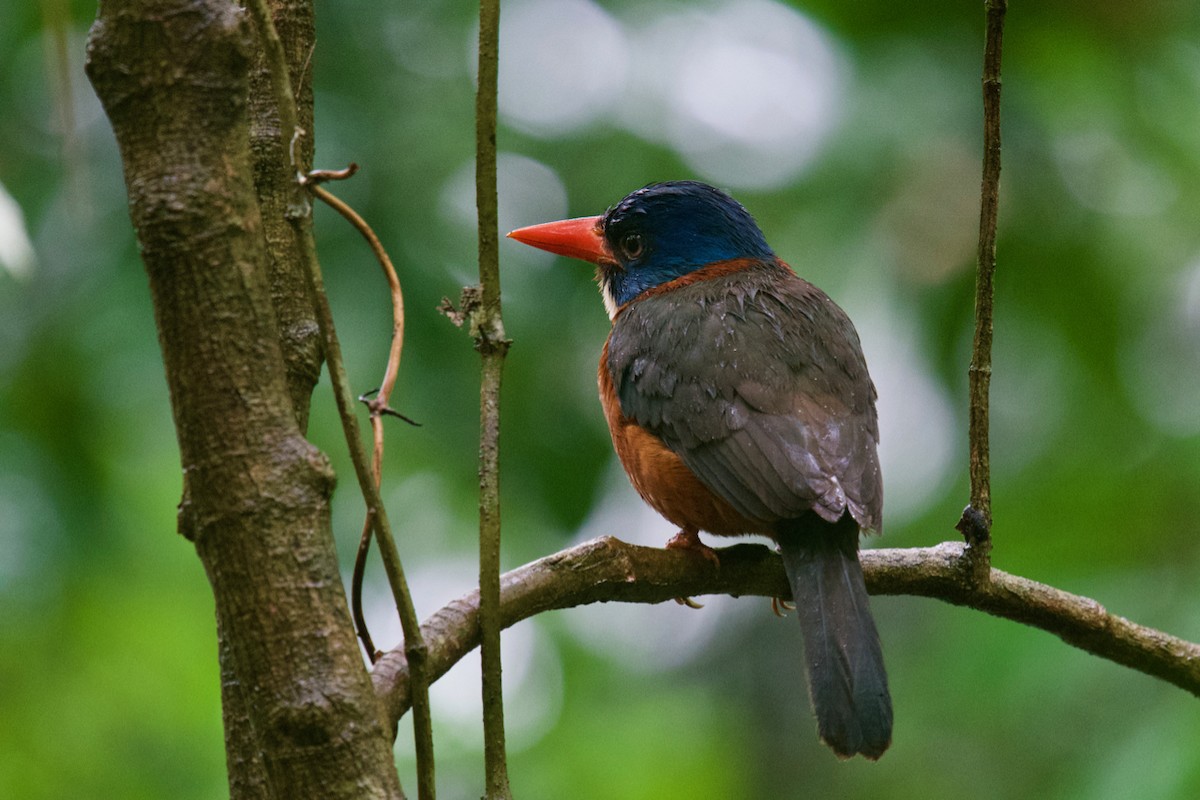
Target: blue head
{"points": [[653, 236], [667, 230]]}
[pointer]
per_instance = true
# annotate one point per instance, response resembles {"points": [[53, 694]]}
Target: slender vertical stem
{"points": [[281, 85], [977, 519], [414, 644], [492, 345], [368, 480], [379, 404]]}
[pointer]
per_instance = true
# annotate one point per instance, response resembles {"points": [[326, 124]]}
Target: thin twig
{"points": [[356, 591], [609, 570], [414, 645], [315, 176], [492, 345], [977, 517], [376, 513], [976, 521], [378, 405]]}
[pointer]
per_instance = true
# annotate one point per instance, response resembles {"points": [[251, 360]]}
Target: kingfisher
{"points": [[739, 402]]}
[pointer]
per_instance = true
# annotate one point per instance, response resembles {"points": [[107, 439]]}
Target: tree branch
{"points": [[607, 570], [243, 756], [287, 237], [256, 492]]}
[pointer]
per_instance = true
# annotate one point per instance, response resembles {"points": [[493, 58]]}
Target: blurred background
{"points": [[852, 131]]}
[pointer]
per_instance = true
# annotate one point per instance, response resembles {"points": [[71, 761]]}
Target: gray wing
{"points": [[756, 379]]}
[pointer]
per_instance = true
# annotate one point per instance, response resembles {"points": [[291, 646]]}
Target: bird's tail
{"points": [[843, 660]]}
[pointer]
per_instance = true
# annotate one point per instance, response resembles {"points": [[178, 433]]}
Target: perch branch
{"points": [[609, 570]]}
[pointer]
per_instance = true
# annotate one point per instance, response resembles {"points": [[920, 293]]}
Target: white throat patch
{"points": [[610, 302]]}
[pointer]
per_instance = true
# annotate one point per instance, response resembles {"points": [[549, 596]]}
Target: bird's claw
{"points": [[779, 606], [690, 541]]}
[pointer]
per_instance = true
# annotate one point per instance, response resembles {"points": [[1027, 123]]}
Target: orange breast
{"points": [[661, 477]]}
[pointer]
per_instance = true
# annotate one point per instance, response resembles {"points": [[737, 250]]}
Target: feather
{"points": [[843, 660], [752, 401]]}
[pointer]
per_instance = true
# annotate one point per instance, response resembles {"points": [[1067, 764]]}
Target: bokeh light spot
{"points": [[528, 190], [752, 89], [562, 65], [916, 421], [1161, 365], [1106, 175], [16, 251]]}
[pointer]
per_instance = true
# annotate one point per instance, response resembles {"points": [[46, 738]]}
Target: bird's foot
{"points": [[780, 606], [689, 540]]}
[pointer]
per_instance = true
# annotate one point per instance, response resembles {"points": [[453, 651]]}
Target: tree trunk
{"points": [[174, 77]]}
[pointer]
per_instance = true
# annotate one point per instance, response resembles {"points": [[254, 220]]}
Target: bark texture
{"points": [[301, 718], [286, 224], [609, 570]]}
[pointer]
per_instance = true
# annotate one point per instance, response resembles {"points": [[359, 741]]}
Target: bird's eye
{"points": [[631, 245]]}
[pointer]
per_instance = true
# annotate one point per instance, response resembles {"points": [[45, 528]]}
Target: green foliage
{"points": [[108, 675]]}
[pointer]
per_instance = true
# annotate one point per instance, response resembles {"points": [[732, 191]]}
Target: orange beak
{"points": [[575, 238]]}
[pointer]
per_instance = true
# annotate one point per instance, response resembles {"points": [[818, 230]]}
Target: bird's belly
{"points": [[663, 480]]}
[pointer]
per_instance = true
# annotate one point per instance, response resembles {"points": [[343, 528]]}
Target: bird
{"points": [[739, 402]]}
